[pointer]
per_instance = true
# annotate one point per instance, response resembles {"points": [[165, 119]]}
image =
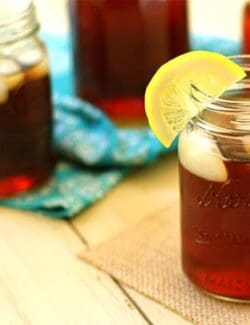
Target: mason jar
{"points": [[214, 161], [118, 45], [25, 101]]}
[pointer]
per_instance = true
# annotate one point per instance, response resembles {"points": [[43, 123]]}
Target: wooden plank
{"points": [[157, 314], [140, 195], [8, 313], [41, 282]]}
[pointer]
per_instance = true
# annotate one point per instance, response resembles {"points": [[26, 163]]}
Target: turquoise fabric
{"points": [[94, 154]]}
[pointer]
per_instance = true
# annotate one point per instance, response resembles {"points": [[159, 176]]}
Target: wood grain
{"points": [[42, 282], [158, 314], [143, 193], [140, 195]]}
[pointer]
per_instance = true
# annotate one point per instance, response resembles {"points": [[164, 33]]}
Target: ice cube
{"points": [[14, 80], [38, 71], [30, 57], [11, 71], [9, 66], [201, 156], [3, 91]]}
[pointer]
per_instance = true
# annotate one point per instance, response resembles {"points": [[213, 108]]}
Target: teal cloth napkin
{"points": [[95, 155]]}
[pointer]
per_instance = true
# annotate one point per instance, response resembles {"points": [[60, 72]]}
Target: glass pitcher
{"points": [[119, 44]]}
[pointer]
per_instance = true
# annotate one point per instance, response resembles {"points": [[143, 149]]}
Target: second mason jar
{"points": [[214, 155], [25, 101]]}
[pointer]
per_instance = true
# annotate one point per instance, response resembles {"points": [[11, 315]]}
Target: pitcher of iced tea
{"points": [[119, 44], [214, 153], [25, 101]]}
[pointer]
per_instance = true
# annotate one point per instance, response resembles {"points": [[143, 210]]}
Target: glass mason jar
{"points": [[214, 156], [25, 101], [118, 45]]}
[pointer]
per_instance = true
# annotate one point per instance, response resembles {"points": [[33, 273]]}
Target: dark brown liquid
{"points": [[246, 29], [25, 136], [118, 45], [215, 221]]}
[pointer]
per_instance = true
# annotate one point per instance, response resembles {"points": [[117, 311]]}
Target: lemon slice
{"points": [[201, 156], [168, 102]]}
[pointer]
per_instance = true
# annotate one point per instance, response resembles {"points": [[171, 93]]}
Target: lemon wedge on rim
{"points": [[168, 102]]}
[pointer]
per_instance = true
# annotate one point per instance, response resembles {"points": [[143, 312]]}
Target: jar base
{"points": [[224, 298], [21, 183], [218, 296]]}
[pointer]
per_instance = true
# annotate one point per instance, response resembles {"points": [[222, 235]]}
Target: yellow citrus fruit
{"points": [[168, 102]]}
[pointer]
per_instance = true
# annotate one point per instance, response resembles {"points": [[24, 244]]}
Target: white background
{"points": [[213, 17]]}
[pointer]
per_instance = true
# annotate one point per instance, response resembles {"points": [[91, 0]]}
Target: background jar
{"points": [[118, 45], [25, 101], [214, 156]]}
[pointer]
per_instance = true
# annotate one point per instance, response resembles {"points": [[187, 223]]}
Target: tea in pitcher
{"points": [[119, 44]]}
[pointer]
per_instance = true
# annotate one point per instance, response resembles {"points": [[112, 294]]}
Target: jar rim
{"points": [[19, 25], [223, 104]]}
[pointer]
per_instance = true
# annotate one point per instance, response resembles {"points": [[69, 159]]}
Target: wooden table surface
{"points": [[43, 282]]}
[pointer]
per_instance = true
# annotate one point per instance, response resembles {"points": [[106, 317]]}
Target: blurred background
{"points": [[210, 17], [108, 37], [105, 52]]}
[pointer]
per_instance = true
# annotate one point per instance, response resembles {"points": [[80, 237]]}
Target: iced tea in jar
{"points": [[214, 156], [118, 44], [25, 101]]}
